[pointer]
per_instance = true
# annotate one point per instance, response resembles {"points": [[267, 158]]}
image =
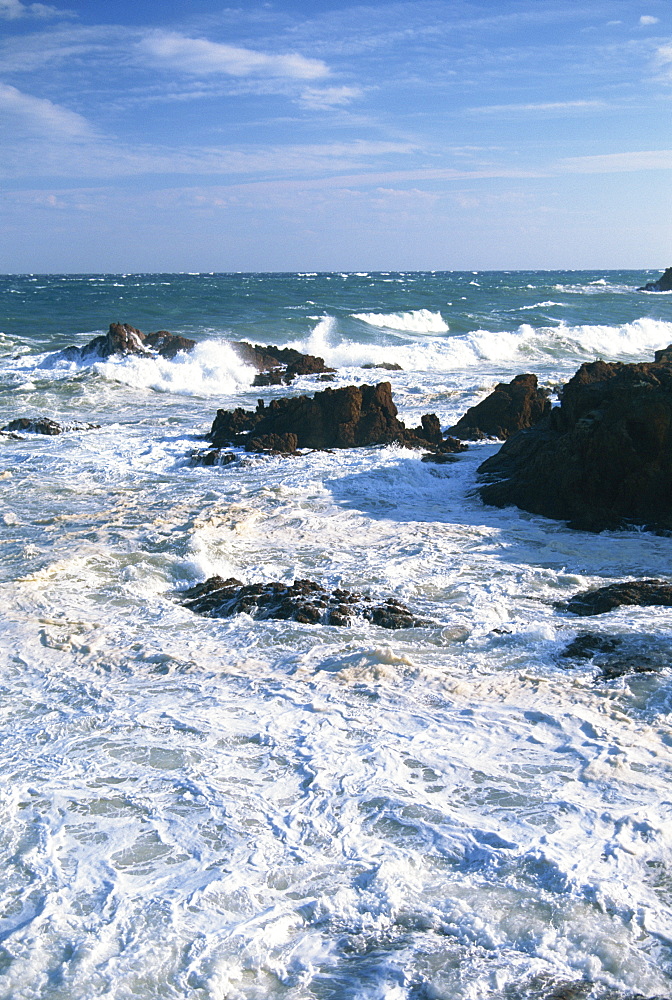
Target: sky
{"points": [[331, 135]]}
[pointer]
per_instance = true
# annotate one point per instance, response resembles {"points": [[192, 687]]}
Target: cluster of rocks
{"points": [[644, 593], [349, 417], [123, 339], [603, 458], [274, 365], [303, 601]]}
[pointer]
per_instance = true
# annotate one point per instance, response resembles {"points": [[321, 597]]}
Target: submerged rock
{"points": [[279, 365], [303, 601], [663, 284], [123, 339], [645, 593], [511, 407], [617, 655], [45, 425], [351, 417], [603, 458]]}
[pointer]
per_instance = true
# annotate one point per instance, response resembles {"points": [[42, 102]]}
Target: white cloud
{"points": [[648, 19], [13, 9], [199, 56], [24, 115], [616, 163], [548, 106], [318, 98]]}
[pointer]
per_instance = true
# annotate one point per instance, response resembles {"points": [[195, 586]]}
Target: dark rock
{"points": [[663, 284], [303, 601], [388, 366], [351, 417], [123, 339], [44, 425], [619, 655], [545, 987], [644, 593], [278, 365], [602, 459], [511, 407], [273, 444], [212, 456]]}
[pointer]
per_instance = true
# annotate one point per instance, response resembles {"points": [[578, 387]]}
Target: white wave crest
{"points": [[415, 321], [568, 345], [212, 368]]}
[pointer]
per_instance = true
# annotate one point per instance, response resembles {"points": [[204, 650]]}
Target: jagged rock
{"points": [[663, 284], [121, 338], [303, 601], [351, 417], [645, 593], [45, 425], [616, 655], [602, 459], [279, 365], [511, 407]]}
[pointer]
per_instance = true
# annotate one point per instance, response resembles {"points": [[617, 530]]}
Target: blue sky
{"points": [[144, 136]]}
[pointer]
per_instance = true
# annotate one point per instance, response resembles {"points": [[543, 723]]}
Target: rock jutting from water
{"points": [[511, 407], [45, 425], [124, 339], [662, 284], [279, 365], [349, 417], [302, 601], [603, 458], [644, 593]]}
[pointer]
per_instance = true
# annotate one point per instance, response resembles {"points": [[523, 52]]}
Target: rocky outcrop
{"points": [[123, 339], [511, 407], [645, 593], [663, 284], [351, 417], [45, 425], [303, 601], [279, 365], [603, 459]]}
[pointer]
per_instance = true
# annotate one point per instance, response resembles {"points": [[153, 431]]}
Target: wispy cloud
{"points": [[647, 19], [548, 106], [14, 9], [24, 115], [612, 163], [323, 98], [199, 57]]}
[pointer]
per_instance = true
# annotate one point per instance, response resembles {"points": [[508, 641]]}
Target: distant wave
{"points": [[415, 321]]}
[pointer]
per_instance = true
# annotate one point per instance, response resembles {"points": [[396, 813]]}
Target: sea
{"points": [[196, 808]]}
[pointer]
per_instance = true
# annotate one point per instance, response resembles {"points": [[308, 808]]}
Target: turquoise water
{"points": [[194, 808]]}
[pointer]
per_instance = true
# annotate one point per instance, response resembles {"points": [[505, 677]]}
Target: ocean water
{"points": [[209, 809]]}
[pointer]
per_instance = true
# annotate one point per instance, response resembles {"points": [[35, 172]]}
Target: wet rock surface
{"points": [[279, 365], [124, 339], [511, 407], [45, 425], [616, 655], [303, 601], [645, 593], [351, 417], [601, 460], [662, 284]]}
